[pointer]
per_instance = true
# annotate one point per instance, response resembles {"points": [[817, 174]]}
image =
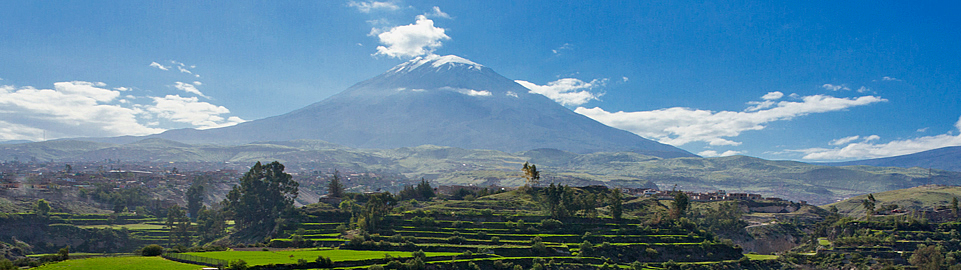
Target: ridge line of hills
{"points": [[442, 165]]}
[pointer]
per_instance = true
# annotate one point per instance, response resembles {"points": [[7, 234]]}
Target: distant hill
{"points": [[450, 165], [435, 100], [917, 198], [947, 158]]}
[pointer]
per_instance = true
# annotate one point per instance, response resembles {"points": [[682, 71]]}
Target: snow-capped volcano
{"points": [[438, 100], [436, 62]]}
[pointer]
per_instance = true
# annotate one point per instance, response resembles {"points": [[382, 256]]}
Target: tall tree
{"points": [[211, 224], [869, 204], [43, 208], [265, 194], [377, 207], [681, 203], [195, 198], [335, 188], [531, 175], [617, 201], [954, 207], [179, 226]]}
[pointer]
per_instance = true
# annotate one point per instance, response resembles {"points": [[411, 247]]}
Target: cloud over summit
{"points": [[419, 38]]}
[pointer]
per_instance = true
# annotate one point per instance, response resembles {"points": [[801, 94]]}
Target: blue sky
{"points": [[805, 80]]}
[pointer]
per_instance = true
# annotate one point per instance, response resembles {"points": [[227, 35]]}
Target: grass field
{"points": [[291, 256], [757, 257], [121, 263]]}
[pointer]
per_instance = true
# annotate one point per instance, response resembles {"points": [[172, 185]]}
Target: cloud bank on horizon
{"points": [[91, 109]]}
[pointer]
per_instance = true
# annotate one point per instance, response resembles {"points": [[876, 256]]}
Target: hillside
{"points": [[449, 166], [928, 198]]}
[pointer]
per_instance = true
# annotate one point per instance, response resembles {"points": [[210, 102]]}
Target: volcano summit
{"points": [[438, 100]]}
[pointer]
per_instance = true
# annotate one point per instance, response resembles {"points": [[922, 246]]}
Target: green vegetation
{"points": [[120, 263], [265, 194], [292, 256]]}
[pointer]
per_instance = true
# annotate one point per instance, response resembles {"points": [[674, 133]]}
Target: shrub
{"points": [[237, 265], [7, 264], [586, 249], [375, 267], [550, 224], [152, 250], [495, 240], [324, 262]]}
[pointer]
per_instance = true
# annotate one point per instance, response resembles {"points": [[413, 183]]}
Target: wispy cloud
{"points": [[679, 126], [562, 48], [189, 88], [436, 13], [886, 78], [844, 140], [419, 38], [567, 91], [866, 149], [159, 66], [368, 6], [712, 153], [833, 87]]}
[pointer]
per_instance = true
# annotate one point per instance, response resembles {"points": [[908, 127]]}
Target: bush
{"points": [[152, 250], [237, 265], [7, 264], [495, 240], [324, 262], [550, 224]]}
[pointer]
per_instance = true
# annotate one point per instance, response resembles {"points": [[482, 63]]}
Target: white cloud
{"points": [[71, 109], [844, 140], [189, 88], [158, 65], [411, 40], [511, 94], [832, 87], [865, 150], [202, 115], [184, 70], [864, 89], [197, 83], [886, 78], [678, 126], [565, 47], [922, 130], [367, 7], [475, 93], [772, 95], [436, 13], [624, 79], [89, 109], [567, 91], [712, 153]]}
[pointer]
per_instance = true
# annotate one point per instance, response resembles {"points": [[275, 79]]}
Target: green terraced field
{"points": [[291, 256], [121, 263]]}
